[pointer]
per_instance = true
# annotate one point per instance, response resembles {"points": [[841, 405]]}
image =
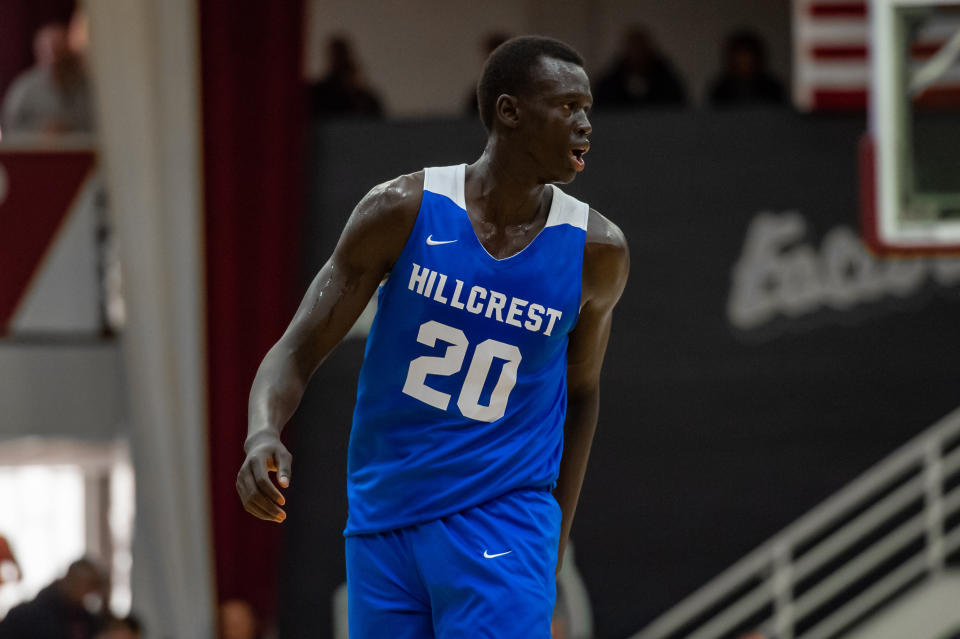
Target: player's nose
{"points": [[584, 127]]}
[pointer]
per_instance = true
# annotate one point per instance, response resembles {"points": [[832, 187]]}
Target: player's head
{"points": [[534, 94], [510, 69]]}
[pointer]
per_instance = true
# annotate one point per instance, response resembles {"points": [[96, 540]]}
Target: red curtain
{"points": [[253, 121]]}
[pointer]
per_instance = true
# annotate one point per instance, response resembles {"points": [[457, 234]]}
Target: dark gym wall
{"points": [[759, 361]]}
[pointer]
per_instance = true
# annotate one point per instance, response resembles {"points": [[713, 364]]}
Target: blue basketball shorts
{"points": [[485, 572]]}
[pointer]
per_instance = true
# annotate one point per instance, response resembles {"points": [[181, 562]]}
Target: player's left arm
{"points": [[606, 263]]}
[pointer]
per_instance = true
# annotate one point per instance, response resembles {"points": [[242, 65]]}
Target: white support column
{"points": [[145, 64]]}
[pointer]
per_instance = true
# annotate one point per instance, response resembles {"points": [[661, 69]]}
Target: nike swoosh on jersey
{"points": [[433, 242], [487, 555]]}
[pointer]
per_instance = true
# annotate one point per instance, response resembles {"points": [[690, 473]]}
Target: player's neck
{"points": [[505, 190]]}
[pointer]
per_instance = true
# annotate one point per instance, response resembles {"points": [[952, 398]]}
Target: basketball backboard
{"points": [[910, 164]]}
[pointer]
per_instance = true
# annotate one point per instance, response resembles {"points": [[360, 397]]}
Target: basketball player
{"points": [[478, 398]]}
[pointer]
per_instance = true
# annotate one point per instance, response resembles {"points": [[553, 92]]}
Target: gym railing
{"points": [[893, 527]]}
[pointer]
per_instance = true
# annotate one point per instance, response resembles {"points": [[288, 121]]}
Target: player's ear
{"points": [[508, 111]]}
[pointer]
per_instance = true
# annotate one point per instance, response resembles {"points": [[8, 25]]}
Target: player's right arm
{"points": [[370, 244]]}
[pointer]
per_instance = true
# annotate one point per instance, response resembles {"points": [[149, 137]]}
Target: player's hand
{"points": [[260, 497]]}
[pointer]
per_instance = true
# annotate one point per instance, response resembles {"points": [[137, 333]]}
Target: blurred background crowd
{"points": [[50, 94]]}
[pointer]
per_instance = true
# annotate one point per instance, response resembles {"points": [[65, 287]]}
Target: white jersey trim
{"points": [[567, 209], [449, 182], [446, 181]]}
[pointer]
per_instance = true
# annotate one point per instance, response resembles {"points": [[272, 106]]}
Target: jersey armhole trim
{"points": [[567, 209], [446, 181]]}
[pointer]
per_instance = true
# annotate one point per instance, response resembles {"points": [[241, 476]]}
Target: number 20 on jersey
{"points": [[451, 362]]}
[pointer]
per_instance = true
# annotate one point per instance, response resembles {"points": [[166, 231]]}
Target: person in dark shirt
{"points": [[745, 80], [343, 91], [640, 77], [62, 610]]}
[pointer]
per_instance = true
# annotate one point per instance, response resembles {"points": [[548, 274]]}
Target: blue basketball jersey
{"points": [[462, 394]]}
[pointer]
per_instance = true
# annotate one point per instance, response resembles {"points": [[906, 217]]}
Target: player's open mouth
{"points": [[577, 154]]}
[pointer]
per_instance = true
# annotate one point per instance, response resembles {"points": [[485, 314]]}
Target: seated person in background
{"points": [[53, 96], [745, 80], [128, 627], [343, 91], [640, 77], [67, 608]]}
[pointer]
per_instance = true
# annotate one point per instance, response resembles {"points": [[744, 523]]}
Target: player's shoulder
{"points": [[605, 237], [606, 257], [382, 220], [402, 193], [390, 207]]}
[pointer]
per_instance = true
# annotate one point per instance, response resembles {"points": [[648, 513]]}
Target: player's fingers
{"points": [[262, 478], [253, 500], [259, 510], [256, 510], [265, 509], [284, 463], [246, 486]]}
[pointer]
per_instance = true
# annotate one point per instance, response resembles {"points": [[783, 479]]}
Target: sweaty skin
{"points": [[529, 147]]}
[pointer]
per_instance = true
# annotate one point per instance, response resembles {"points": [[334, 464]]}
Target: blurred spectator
{"points": [[69, 608], [238, 620], [53, 96], [128, 627], [490, 42], [343, 91], [745, 80], [8, 562], [640, 77]]}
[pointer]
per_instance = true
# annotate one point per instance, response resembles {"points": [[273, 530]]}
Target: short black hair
{"points": [[507, 70]]}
